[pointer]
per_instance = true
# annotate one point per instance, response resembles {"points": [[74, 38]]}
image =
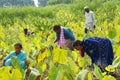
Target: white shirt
{"points": [[90, 17]]}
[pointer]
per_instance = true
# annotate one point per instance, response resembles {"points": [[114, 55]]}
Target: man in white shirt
{"points": [[90, 20]]}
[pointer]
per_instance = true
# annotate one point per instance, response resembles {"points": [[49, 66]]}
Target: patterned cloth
{"points": [[62, 41], [65, 38], [68, 34], [100, 50]]}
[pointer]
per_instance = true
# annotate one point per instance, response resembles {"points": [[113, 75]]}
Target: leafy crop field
{"points": [[53, 62]]}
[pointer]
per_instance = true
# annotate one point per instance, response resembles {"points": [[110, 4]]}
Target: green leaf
{"points": [[16, 74], [90, 77], [109, 77], [15, 62], [32, 77], [110, 69], [116, 62], [8, 73], [69, 71], [60, 56], [112, 32], [98, 72], [82, 75], [53, 73]]}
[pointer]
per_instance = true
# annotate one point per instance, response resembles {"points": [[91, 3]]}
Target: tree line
{"points": [[5, 3]]}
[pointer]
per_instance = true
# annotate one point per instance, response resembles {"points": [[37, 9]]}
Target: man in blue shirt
{"points": [[19, 54], [64, 36]]}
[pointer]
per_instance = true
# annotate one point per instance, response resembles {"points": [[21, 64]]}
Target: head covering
{"points": [[86, 7]]}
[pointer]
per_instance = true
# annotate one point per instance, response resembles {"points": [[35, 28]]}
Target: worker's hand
{"points": [[3, 62], [28, 70], [27, 62], [55, 41]]}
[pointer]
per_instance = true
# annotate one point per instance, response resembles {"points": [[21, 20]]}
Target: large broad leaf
{"points": [[70, 73], [16, 74], [90, 77], [43, 55], [108, 78], [98, 72], [15, 62], [110, 69], [62, 72], [16, 65], [117, 51], [8, 73], [54, 73], [116, 62], [82, 75], [73, 55], [60, 56], [5, 73]]}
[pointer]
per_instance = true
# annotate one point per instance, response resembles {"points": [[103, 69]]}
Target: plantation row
{"points": [[54, 63]]}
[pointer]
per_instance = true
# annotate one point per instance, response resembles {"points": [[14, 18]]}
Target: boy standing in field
{"points": [[90, 19]]}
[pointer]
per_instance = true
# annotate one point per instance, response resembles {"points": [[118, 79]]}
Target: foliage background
{"points": [[56, 63]]}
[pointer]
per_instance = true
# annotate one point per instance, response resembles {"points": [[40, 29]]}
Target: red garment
{"points": [[82, 52]]}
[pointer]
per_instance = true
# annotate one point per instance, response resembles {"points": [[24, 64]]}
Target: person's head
{"points": [[77, 45], [86, 9], [57, 28], [18, 47], [25, 31]]}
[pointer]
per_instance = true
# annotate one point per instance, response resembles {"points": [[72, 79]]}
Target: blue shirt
{"points": [[21, 56], [68, 34], [99, 49]]}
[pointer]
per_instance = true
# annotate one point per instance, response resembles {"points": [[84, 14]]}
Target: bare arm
{"points": [[3, 62], [55, 41]]}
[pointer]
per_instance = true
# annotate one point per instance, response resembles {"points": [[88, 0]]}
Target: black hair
{"points": [[18, 44], [77, 42], [25, 31], [56, 27]]}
